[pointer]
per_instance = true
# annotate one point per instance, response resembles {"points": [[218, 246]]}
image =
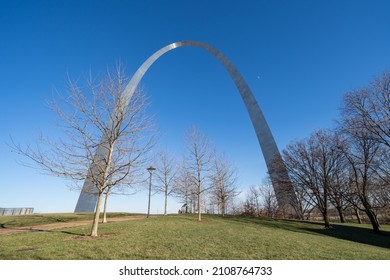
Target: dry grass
{"points": [[180, 237]]}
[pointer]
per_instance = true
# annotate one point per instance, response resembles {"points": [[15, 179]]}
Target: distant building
{"points": [[185, 209]]}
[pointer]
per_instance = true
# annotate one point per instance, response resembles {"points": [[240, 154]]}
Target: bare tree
{"points": [[338, 188], [184, 189], [125, 188], [198, 160], [104, 141], [365, 123], [166, 173], [254, 196], [251, 205], [235, 206], [312, 164], [305, 201], [269, 202], [370, 108], [362, 154], [224, 182]]}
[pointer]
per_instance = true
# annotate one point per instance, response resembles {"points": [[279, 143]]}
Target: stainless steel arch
{"points": [[284, 194]]}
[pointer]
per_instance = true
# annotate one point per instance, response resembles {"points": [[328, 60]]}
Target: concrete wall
{"points": [[15, 211]]}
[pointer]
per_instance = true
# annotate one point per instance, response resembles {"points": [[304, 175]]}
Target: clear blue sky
{"points": [[298, 57]]}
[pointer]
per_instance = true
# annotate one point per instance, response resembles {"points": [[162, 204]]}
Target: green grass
{"points": [[41, 219], [182, 237]]}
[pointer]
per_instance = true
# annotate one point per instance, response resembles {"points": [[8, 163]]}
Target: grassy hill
{"points": [[182, 237]]}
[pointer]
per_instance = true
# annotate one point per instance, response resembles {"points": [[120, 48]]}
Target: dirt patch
{"points": [[48, 227]]}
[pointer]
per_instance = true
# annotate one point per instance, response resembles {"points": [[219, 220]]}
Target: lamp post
{"points": [[150, 169]]}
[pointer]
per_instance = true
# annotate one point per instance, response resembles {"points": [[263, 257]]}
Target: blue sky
{"points": [[298, 57]]}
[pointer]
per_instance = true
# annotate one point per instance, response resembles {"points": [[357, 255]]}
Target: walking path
{"points": [[47, 227]]}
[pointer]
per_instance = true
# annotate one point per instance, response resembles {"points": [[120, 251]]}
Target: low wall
{"points": [[15, 211]]}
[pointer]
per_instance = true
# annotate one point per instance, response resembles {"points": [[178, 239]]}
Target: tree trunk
{"points": [[186, 202], [199, 198], [373, 219], [357, 215], [199, 208], [94, 231], [105, 208], [341, 214], [325, 213], [193, 205], [326, 219], [110, 147], [223, 208], [166, 201]]}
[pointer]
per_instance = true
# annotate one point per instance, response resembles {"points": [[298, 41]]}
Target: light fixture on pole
{"points": [[150, 169]]}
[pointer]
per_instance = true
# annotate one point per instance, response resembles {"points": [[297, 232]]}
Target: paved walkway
{"points": [[47, 227]]}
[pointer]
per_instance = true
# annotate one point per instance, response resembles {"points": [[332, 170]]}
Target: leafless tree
{"points": [[365, 122], [362, 154], [166, 173], [184, 188], [224, 181], [251, 205], [268, 198], [129, 188], [305, 201], [198, 160], [248, 208], [254, 197], [235, 206], [261, 200], [370, 108], [103, 141], [338, 188], [312, 164]]}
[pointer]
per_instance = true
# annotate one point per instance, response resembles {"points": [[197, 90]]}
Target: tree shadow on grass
{"points": [[54, 231], [32, 231], [72, 233], [346, 232], [357, 234], [290, 225]]}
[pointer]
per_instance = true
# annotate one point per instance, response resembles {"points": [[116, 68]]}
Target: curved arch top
{"points": [[261, 127], [284, 194]]}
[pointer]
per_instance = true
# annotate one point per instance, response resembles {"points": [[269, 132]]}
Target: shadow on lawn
{"points": [[357, 234], [346, 232], [72, 233], [56, 231], [35, 231]]}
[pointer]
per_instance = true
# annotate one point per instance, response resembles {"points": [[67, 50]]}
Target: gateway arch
{"points": [[279, 176]]}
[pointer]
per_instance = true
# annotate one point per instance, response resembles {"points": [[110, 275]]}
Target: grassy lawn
{"points": [[41, 219], [182, 237]]}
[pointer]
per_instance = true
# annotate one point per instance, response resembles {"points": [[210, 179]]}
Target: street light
{"points": [[150, 169]]}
